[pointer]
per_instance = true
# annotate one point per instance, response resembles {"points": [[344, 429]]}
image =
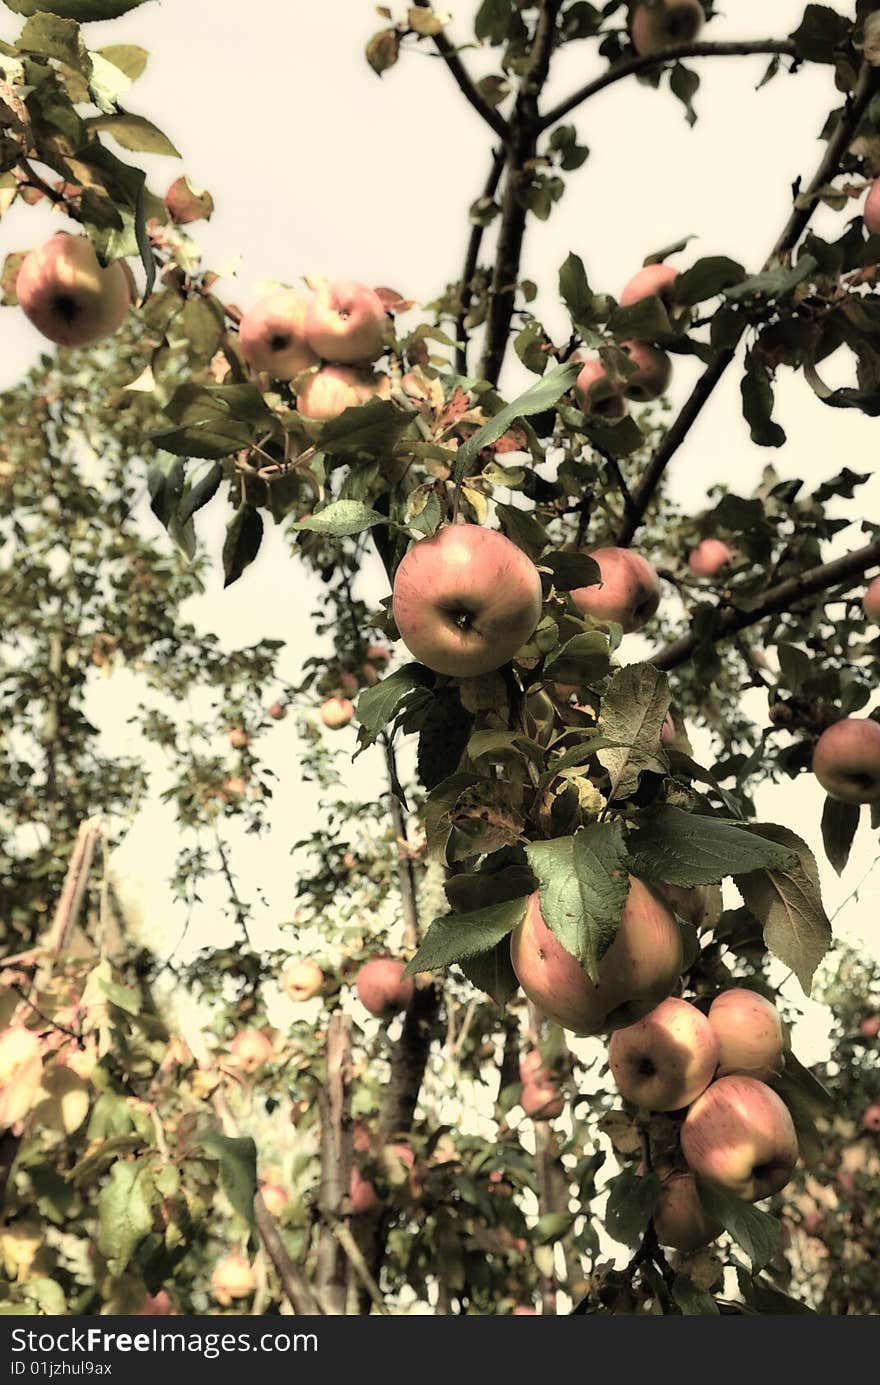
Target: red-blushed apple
{"points": [[652, 374], [666, 1059], [466, 600], [348, 682], [239, 738], [595, 393], [655, 280], [679, 1219], [542, 1101], [272, 335], [871, 599], [235, 787], [378, 653], [749, 1033], [699, 905], [870, 1027], [328, 392], [21, 1067], [709, 557], [233, 1278], [346, 322], [301, 981], [250, 1049], [871, 209], [361, 1193], [871, 1118], [275, 1198], [382, 987], [361, 1140], [639, 969], [739, 1137], [277, 711], [846, 760], [629, 591], [69, 296], [665, 24], [336, 712], [522, 1311]]}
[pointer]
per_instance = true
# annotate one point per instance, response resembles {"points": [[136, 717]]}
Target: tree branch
{"points": [[334, 1101], [775, 600], [471, 259], [865, 88], [522, 145], [449, 53], [634, 67]]}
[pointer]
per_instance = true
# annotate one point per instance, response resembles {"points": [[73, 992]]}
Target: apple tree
{"points": [[550, 851]]}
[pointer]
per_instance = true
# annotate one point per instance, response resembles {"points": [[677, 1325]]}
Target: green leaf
{"points": [[694, 849], [341, 518], [572, 570], [497, 745], [82, 10], [493, 972], [685, 84], [787, 902], [692, 1301], [244, 535], [542, 395], [632, 714], [645, 320], [552, 1226], [127, 57], [755, 1231], [378, 705], [583, 885], [124, 1211], [456, 937], [238, 1171], [819, 33], [757, 404], [839, 824], [134, 132], [584, 660], [631, 1203], [707, 278], [123, 997], [370, 430], [199, 494], [773, 283], [52, 37], [763, 1297], [574, 289], [807, 1101], [214, 421]]}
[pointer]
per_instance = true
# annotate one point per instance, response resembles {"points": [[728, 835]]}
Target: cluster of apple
{"points": [[337, 710], [381, 986], [397, 1164], [666, 1055], [596, 391]]}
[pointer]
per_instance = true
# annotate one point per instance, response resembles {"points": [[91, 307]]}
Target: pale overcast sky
{"points": [[318, 166]]}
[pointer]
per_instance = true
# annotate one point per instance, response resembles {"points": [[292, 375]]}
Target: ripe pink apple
{"points": [[749, 1033], [871, 1118], [871, 209], [679, 1219], [709, 557], [348, 682], [233, 1278], [629, 592], [278, 711], [250, 1049], [543, 1101], [302, 981], [870, 1027], [639, 969], [156, 1306], [871, 599], [846, 760], [69, 296], [523, 1312], [666, 1059], [596, 394], [239, 738], [382, 987], [531, 1067], [466, 600], [739, 1136], [346, 323], [655, 280], [235, 787], [378, 653], [337, 712], [328, 392], [272, 335], [275, 1198], [670, 22], [652, 374], [361, 1193]]}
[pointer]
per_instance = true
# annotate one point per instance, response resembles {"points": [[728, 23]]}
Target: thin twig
{"points": [[449, 53], [358, 1263]]}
